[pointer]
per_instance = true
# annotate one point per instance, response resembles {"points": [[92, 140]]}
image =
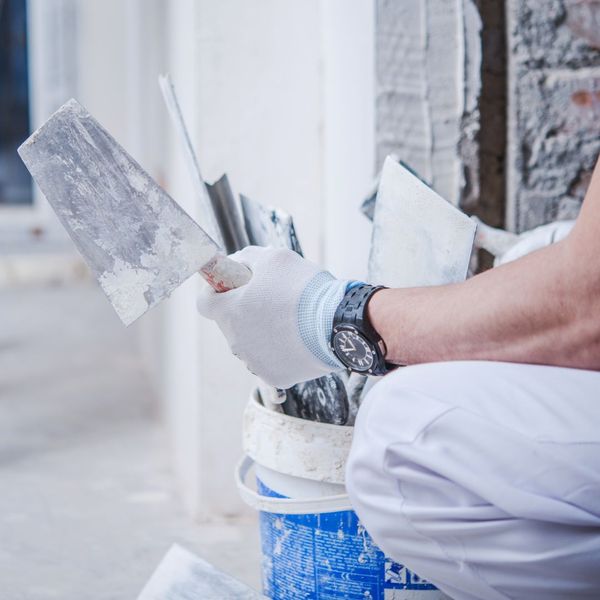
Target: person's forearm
{"points": [[543, 308]]}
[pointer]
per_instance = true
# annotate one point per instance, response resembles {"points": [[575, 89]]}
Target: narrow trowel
{"points": [[138, 242]]}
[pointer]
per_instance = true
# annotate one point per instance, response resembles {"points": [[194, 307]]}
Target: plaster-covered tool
{"points": [[183, 576], [419, 239], [207, 218], [228, 212], [268, 226], [323, 399], [219, 207], [139, 243]]}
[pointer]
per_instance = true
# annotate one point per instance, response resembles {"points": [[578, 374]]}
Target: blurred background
{"points": [[116, 442]]}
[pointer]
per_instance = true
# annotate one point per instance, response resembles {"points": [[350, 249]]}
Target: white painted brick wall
{"points": [[428, 60]]}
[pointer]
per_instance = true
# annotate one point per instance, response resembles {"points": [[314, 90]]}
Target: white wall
{"points": [[248, 78], [348, 90], [280, 96]]}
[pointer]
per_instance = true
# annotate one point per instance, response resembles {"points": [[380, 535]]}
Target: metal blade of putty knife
{"points": [[207, 218], [419, 239], [267, 226], [228, 212], [323, 399], [183, 576], [139, 243]]}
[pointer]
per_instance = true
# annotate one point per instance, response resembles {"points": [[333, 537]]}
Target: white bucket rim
{"points": [[294, 446], [314, 425], [285, 506]]}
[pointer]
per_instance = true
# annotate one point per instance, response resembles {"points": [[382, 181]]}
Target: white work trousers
{"points": [[484, 477]]}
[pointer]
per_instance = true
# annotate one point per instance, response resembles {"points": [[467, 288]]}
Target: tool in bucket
{"points": [[217, 204], [246, 221], [323, 399], [138, 242], [207, 218]]}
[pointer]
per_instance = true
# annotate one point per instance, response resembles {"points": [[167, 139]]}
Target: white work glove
{"points": [[280, 322]]}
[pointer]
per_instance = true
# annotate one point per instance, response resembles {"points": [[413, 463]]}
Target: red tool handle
{"points": [[225, 274]]}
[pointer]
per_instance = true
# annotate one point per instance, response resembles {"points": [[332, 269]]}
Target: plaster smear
{"points": [[175, 250], [298, 447], [125, 286]]}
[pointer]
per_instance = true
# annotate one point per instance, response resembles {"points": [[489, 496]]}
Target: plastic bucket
{"points": [[313, 545]]}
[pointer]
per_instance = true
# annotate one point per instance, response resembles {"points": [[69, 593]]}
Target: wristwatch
{"points": [[353, 339]]}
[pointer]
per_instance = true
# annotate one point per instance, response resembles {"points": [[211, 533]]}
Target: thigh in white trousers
{"points": [[484, 477]]}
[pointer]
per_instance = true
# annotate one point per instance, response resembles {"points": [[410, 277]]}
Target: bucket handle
{"points": [[285, 506]]}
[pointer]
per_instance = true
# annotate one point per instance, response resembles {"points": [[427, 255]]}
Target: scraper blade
{"points": [[136, 239], [183, 576], [419, 239]]}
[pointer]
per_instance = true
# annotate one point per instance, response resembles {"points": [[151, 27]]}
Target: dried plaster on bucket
{"points": [[298, 447]]}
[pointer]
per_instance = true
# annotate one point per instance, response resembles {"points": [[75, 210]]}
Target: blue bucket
{"points": [[316, 548]]}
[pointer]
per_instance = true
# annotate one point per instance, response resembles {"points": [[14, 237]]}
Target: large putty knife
{"points": [[419, 239], [139, 243]]}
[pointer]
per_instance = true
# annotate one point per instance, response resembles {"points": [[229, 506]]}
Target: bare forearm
{"points": [[539, 309]]}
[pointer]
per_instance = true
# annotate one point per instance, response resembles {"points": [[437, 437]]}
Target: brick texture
{"points": [[441, 96], [421, 88], [554, 107]]}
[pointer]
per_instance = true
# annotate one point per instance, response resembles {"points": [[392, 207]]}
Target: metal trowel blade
{"points": [[183, 576], [136, 239], [267, 226], [419, 239]]}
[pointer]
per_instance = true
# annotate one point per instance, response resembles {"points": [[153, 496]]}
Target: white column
{"points": [[249, 79], [348, 80]]}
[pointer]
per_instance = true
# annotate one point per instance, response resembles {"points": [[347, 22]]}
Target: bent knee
{"points": [[393, 459], [398, 409], [392, 415]]}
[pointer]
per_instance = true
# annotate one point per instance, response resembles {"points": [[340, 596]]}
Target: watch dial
{"points": [[353, 350]]}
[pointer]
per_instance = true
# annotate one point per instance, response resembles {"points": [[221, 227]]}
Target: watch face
{"points": [[353, 350]]}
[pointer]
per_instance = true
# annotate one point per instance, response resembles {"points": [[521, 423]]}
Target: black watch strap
{"points": [[351, 312]]}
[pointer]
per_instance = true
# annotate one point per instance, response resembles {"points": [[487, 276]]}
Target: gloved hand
{"points": [[280, 322]]}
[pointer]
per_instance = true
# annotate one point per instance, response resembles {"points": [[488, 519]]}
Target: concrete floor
{"points": [[87, 502]]}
